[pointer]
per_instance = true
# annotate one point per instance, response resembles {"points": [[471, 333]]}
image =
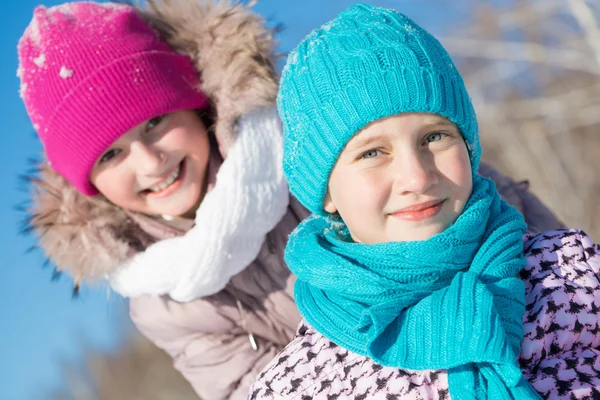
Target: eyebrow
{"points": [[439, 122], [363, 142]]}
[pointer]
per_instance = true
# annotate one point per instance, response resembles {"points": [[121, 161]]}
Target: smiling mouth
{"points": [[167, 184], [420, 212]]}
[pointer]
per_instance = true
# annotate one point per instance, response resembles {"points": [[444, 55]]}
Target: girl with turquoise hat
{"points": [[414, 278]]}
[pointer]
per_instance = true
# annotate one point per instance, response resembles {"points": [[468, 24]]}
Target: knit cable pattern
{"points": [[368, 63]]}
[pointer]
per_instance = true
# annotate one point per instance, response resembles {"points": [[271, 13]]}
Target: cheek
{"points": [[457, 169], [116, 185], [202, 147], [358, 193], [466, 175], [193, 143], [373, 189]]}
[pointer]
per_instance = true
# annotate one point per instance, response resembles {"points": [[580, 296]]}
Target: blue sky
{"points": [[40, 325]]}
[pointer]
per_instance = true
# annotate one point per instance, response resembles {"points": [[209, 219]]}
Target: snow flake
{"points": [[313, 45], [22, 90], [34, 31], [293, 58], [40, 60], [470, 146], [113, 6], [65, 9], [327, 27], [65, 72], [409, 28]]}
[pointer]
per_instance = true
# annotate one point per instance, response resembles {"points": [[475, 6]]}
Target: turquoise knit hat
{"points": [[366, 64]]}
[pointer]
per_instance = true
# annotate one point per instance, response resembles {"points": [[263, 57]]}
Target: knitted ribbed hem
{"points": [[314, 150], [111, 102]]}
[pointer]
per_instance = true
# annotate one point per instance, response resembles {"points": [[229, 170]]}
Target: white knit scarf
{"points": [[248, 200]]}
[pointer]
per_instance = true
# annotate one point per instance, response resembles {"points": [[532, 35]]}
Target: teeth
{"points": [[167, 182]]}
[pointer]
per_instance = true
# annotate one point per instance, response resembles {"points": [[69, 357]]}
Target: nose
{"points": [[144, 158], [415, 172]]}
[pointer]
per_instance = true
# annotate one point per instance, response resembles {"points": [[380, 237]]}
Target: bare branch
{"points": [[515, 51], [586, 20]]}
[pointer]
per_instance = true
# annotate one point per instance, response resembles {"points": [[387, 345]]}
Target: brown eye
{"points": [[109, 155]]}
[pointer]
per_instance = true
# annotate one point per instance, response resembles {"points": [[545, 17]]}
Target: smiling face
{"points": [[402, 178], [157, 167]]}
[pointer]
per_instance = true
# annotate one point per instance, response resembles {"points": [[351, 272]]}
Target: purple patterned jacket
{"points": [[560, 352]]}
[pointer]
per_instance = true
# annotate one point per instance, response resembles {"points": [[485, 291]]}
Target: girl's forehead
{"points": [[411, 119]]}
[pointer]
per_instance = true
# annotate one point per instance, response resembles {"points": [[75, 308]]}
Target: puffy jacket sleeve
{"points": [[217, 365], [538, 216]]}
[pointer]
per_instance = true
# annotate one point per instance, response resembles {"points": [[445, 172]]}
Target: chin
{"points": [[408, 235], [177, 206], [181, 209], [189, 205]]}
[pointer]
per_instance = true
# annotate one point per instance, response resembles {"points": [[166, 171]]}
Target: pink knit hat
{"points": [[92, 71]]}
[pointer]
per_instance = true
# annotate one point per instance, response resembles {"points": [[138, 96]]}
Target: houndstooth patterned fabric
{"points": [[560, 352]]}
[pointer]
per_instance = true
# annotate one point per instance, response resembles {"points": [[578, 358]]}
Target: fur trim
{"points": [[232, 49], [88, 237], [84, 236]]}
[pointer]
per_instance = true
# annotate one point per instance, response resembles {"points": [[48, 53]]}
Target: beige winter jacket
{"points": [[219, 343], [209, 338]]}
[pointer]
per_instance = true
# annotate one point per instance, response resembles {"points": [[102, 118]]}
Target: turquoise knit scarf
{"points": [[451, 302]]}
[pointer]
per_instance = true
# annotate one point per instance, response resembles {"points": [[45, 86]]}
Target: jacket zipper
{"points": [[242, 312], [240, 307]]}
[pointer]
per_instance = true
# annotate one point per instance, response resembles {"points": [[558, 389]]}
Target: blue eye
{"points": [[152, 123], [434, 137], [370, 154], [109, 155]]}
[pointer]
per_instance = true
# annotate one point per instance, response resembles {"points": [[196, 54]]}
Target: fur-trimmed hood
{"points": [[88, 237]]}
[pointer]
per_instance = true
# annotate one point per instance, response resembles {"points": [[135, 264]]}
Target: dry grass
{"points": [[136, 371]]}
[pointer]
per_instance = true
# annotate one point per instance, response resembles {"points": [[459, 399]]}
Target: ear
{"points": [[328, 204]]}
